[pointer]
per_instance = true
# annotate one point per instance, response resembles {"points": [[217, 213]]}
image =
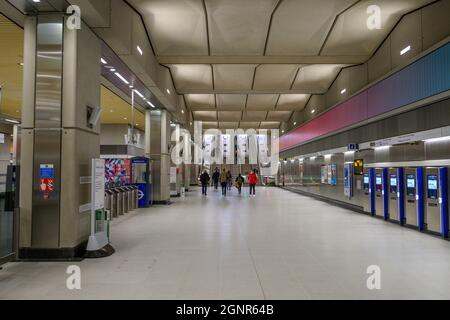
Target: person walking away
{"points": [[252, 181], [229, 179], [215, 178], [239, 182], [204, 179], [223, 182]]}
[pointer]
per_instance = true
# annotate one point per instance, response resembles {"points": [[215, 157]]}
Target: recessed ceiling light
{"points": [[112, 70], [190, 123], [125, 118], [405, 50], [37, 1], [295, 123], [140, 50], [313, 110], [282, 131], [182, 111], [20, 64], [131, 87], [151, 104], [121, 78], [11, 121], [103, 61], [343, 91], [168, 91], [111, 110]]}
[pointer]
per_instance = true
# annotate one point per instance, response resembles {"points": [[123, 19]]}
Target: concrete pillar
{"points": [[159, 153], [61, 88]]}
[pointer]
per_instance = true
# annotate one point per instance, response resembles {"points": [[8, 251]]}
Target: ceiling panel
{"points": [[254, 115], [238, 27], [233, 76], [192, 76], [231, 101], [316, 78], [279, 115], [11, 72], [200, 101], [209, 124], [275, 76], [205, 115], [115, 110], [294, 102], [249, 124], [228, 125], [230, 115], [301, 26], [261, 101], [351, 36], [175, 26], [270, 125]]}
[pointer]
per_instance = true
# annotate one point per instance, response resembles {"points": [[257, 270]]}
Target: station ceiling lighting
{"points": [[313, 110], [36, 1], [151, 104], [405, 50], [382, 148], [282, 131], [295, 123], [139, 94], [343, 91], [182, 111], [140, 50], [103, 61], [112, 70], [122, 78], [440, 139], [20, 64], [131, 87], [168, 91], [12, 121]]}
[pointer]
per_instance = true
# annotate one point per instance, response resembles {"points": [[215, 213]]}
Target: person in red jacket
{"points": [[252, 181]]}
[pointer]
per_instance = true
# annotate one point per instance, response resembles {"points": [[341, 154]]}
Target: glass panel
{"points": [[139, 173]]}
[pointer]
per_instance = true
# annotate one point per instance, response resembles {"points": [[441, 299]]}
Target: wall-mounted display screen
{"points": [[378, 183], [393, 183], [432, 184], [366, 178], [410, 185]]}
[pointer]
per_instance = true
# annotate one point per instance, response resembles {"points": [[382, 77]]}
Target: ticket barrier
{"points": [[111, 202], [125, 203], [436, 201], [381, 193], [119, 201]]}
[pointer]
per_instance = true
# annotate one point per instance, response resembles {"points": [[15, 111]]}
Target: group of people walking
{"points": [[226, 181]]}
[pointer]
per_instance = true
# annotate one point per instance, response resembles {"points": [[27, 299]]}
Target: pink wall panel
{"points": [[346, 114]]}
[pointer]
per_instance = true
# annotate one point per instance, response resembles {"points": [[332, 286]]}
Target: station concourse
{"points": [[115, 114]]}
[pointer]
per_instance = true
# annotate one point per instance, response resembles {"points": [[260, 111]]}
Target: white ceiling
{"points": [[237, 62]]}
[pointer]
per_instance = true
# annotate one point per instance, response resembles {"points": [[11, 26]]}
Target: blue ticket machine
{"points": [[142, 179]]}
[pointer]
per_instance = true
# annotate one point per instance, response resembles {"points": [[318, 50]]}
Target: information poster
{"points": [[324, 174], [98, 183], [333, 169]]}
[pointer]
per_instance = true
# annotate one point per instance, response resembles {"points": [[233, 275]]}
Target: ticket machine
{"points": [[367, 184], [436, 200], [396, 195], [413, 203], [381, 193]]}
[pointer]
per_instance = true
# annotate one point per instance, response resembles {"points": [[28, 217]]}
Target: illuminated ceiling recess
{"points": [[253, 63], [11, 68]]}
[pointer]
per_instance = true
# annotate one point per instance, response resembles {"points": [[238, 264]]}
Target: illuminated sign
{"points": [[358, 167]]}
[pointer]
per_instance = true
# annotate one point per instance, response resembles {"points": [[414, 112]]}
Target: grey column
{"points": [[61, 86], [159, 152]]}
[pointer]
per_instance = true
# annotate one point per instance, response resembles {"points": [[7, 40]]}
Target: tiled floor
{"points": [[279, 245]]}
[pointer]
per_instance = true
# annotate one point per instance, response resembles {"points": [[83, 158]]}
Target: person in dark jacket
{"points": [[224, 182], [215, 178], [204, 179], [239, 182]]}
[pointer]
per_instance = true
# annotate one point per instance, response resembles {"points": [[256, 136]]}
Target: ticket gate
{"points": [[119, 201], [396, 196], [436, 200], [124, 194], [381, 193]]}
